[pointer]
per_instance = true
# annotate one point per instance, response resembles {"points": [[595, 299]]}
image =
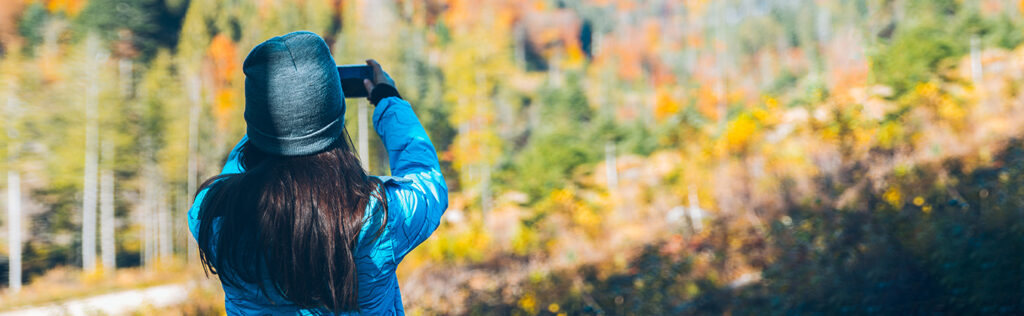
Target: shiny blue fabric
{"points": [[417, 197]]}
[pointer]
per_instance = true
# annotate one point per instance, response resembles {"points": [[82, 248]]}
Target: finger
{"points": [[378, 73], [368, 84], [373, 63]]}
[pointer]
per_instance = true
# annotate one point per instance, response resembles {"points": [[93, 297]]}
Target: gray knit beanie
{"points": [[293, 100]]}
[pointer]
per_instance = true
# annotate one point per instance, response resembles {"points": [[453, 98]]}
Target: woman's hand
{"points": [[379, 77]]}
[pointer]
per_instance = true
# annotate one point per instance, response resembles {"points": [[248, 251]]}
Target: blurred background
{"points": [[604, 156]]}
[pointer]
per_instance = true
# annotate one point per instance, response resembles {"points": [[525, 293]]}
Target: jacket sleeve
{"points": [[233, 165], [418, 196]]}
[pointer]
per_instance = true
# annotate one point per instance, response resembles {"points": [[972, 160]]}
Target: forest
{"points": [[623, 157]]}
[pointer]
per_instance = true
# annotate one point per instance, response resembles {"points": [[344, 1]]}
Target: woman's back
{"points": [[283, 242]]}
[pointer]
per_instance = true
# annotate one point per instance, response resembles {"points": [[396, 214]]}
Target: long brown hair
{"points": [[294, 220]]}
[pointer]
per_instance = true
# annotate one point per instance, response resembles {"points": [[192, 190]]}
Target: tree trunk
{"points": [[977, 73], [14, 230], [163, 226], [147, 213], [694, 214], [13, 199], [193, 141], [107, 222], [89, 199], [91, 153], [611, 166]]}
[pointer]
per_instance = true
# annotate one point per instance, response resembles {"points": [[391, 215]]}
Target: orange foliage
{"points": [[70, 7], [464, 15], [662, 74], [694, 39], [50, 66], [652, 35], [223, 106], [665, 104], [628, 59], [9, 12], [574, 54], [540, 5], [461, 12], [504, 19], [224, 56], [849, 76], [707, 101]]}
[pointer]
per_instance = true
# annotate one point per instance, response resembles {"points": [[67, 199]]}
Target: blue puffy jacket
{"points": [[417, 197]]}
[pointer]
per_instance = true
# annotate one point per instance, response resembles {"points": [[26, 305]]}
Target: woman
{"points": [[293, 225]]}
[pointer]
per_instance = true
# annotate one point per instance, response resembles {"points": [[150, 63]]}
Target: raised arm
{"points": [[418, 196]]}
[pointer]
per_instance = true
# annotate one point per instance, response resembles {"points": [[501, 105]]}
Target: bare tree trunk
{"points": [[14, 229], [147, 214], [823, 24], [142, 216], [694, 214], [180, 220], [611, 166], [107, 250], [193, 141], [13, 200], [163, 226], [977, 73], [91, 153], [89, 199]]}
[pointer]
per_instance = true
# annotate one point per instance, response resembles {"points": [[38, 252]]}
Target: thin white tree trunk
{"points": [[14, 229], [977, 73], [611, 166], [147, 214], [193, 141], [179, 220], [151, 221], [107, 249], [91, 161], [694, 214], [142, 217], [89, 200], [13, 200], [163, 226]]}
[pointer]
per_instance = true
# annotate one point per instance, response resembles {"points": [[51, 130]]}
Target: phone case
{"points": [[352, 80]]}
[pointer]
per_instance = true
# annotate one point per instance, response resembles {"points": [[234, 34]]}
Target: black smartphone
{"points": [[352, 80]]}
